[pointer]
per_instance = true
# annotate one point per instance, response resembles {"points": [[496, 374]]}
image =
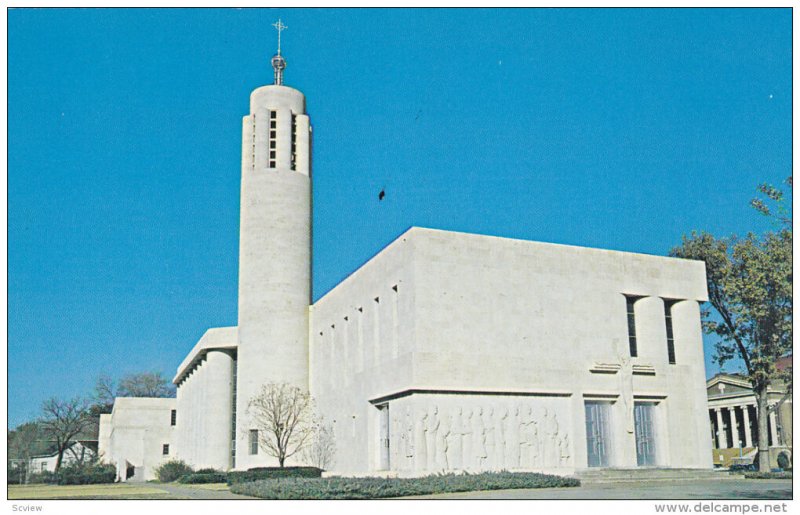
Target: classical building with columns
{"points": [[445, 351], [733, 417]]}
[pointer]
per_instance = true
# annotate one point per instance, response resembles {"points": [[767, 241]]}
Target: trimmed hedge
{"points": [[76, 474], [171, 470], [769, 475], [258, 473], [203, 477], [45, 477], [375, 488]]}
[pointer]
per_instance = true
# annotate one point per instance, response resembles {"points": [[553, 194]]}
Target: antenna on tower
{"points": [[278, 62]]}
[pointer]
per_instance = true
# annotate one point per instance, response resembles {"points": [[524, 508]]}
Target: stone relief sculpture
{"points": [[469, 458], [512, 443], [409, 432], [421, 441], [513, 437], [626, 386], [442, 441], [455, 457], [500, 438], [488, 439]]}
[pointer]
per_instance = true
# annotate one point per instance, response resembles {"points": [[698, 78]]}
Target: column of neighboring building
{"points": [[722, 441], [748, 437], [773, 429], [736, 430]]}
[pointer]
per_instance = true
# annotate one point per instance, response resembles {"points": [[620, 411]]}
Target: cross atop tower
{"points": [[280, 27], [278, 62]]}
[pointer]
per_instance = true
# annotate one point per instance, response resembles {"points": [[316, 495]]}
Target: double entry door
{"points": [[598, 433]]}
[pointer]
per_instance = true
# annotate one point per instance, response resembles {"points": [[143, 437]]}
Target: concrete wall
{"points": [[368, 354], [139, 429], [274, 253], [478, 314]]}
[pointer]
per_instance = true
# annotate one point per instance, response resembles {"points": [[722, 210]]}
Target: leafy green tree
{"points": [[750, 289]]}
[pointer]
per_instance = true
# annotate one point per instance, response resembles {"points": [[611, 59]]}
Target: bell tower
{"points": [[274, 248]]}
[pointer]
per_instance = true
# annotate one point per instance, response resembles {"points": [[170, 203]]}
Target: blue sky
{"points": [[620, 129]]}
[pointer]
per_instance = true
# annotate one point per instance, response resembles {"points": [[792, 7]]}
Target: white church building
{"points": [[444, 352]]}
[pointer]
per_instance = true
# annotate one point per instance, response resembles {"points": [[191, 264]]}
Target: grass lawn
{"points": [[112, 491]]}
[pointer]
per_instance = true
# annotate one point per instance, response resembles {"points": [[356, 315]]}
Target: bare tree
{"points": [[63, 420], [321, 449], [145, 384], [283, 415], [104, 394]]}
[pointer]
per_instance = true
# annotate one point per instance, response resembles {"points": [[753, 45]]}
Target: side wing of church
{"points": [[451, 351], [444, 352]]}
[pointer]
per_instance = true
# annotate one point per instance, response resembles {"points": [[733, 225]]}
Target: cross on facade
{"points": [[280, 27]]}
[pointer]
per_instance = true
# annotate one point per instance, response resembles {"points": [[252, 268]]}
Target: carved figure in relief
{"points": [[433, 436], [563, 446], [551, 432], [455, 447], [526, 438], [409, 431], [478, 439], [443, 441], [511, 432], [488, 424], [500, 439], [626, 386], [536, 441], [421, 441], [468, 461]]}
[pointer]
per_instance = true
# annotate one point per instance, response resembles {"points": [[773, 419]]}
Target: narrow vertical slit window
{"points": [[294, 142], [173, 417], [254, 441], [629, 302], [670, 338]]}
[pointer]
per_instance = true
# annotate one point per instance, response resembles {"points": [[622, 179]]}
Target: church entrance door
{"points": [[597, 433], [645, 434]]}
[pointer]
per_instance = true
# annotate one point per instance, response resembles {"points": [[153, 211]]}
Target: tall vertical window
{"points": [[629, 302], [294, 141], [273, 136], [173, 417], [254, 441], [165, 449], [670, 338], [253, 145]]}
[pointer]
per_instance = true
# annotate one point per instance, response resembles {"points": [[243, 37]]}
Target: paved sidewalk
{"points": [[741, 489]]}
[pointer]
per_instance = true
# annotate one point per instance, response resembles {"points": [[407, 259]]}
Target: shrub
{"points": [[783, 461], [208, 471], [16, 475], [204, 477], [373, 488], [171, 470], [86, 474], [44, 477], [254, 474]]}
